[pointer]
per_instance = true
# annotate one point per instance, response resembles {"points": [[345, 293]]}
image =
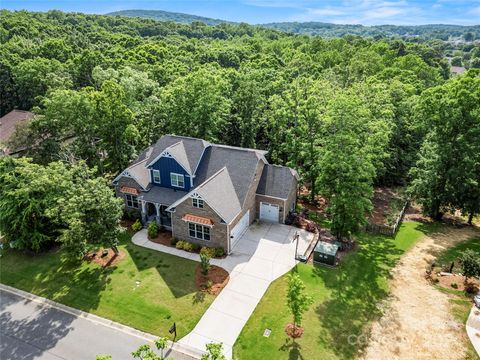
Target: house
{"points": [[206, 193], [457, 70], [8, 126]]}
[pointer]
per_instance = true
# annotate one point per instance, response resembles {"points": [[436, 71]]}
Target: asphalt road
{"points": [[29, 330]]}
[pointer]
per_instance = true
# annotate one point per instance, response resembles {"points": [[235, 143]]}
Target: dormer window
{"points": [[198, 203], [177, 180], [156, 176]]}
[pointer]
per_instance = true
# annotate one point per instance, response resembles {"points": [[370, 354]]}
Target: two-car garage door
{"points": [[269, 212]]}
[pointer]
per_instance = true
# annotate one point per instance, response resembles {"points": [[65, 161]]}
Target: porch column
{"points": [[144, 211], [157, 207]]}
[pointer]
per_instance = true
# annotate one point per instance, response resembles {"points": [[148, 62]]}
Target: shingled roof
{"points": [[9, 122], [240, 163], [187, 151], [276, 181]]}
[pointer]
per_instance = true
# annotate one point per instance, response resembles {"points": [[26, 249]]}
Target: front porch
{"points": [[152, 211]]}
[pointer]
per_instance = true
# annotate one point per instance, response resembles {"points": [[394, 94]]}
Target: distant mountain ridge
{"points": [[161, 15], [433, 31]]}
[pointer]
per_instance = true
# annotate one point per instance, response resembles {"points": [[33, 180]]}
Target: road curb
{"points": [[181, 348]]}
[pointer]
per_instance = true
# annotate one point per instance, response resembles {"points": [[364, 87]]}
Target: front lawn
{"points": [[166, 291], [346, 300]]}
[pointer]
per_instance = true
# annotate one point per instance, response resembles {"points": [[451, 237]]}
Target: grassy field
{"points": [[345, 301], [453, 253], [166, 292], [460, 303]]}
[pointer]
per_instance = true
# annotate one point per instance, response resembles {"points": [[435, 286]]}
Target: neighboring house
{"points": [[206, 193], [8, 126], [457, 70]]}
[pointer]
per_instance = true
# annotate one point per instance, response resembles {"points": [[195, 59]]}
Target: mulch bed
{"points": [[447, 281], [109, 260], [217, 276], [293, 331], [127, 224], [164, 238]]}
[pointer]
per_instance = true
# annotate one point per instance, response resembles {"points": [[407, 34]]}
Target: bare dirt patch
{"points": [[109, 259], [212, 283], [454, 281], [417, 323]]}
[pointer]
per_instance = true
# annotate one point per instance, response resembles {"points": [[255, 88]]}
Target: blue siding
{"points": [[167, 166]]}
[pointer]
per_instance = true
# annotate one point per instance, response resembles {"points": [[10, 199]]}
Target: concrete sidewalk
{"points": [[473, 328], [265, 252], [32, 327]]}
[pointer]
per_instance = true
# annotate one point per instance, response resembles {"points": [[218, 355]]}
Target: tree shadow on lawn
{"points": [[294, 353], [58, 277], [177, 273], [355, 293]]}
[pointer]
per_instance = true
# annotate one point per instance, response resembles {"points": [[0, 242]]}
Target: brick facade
{"points": [[129, 182], [218, 232]]}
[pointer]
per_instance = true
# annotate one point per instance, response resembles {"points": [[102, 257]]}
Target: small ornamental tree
{"points": [[214, 352], [470, 262], [297, 300], [205, 263], [161, 344]]}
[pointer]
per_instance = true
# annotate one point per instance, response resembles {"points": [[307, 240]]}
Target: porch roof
{"points": [[161, 195]]}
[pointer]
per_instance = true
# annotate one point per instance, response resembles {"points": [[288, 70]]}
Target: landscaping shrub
{"points": [[219, 252], [180, 244], [131, 214], [173, 241], [454, 285], [195, 247], [205, 263], [188, 246], [152, 230], [137, 225], [211, 252]]}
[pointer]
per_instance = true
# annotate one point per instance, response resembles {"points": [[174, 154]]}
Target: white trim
{"points": [[183, 180], [127, 174], [203, 226], [198, 199], [152, 172], [166, 154], [192, 191], [132, 201], [272, 197]]}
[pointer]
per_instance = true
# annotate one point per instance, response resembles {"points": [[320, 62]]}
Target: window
{"points": [[199, 231], [131, 201], [156, 176], [177, 180], [198, 203]]}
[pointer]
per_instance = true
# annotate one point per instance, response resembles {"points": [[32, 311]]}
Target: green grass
{"points": [[460, 302], [166, 292], [345, 302], [453, 253]]}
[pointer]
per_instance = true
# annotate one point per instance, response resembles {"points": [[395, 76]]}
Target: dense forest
{"points": [[413, 32], [347, 113]]}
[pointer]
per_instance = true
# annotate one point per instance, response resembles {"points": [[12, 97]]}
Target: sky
{"points": [[366, 12]]}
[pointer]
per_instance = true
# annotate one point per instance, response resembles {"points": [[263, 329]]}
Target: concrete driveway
{"points": [[265, 252]]}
